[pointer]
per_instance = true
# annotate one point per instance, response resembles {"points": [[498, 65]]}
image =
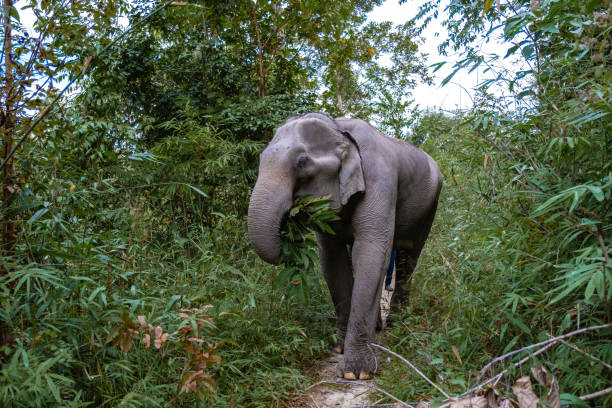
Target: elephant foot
{"points": [[364, 363], [362, 376]]}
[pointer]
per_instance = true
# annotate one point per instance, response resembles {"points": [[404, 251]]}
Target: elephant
{"points": [[385, 191]]}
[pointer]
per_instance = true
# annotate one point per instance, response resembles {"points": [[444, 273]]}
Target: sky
{"points": [[458, 93]]}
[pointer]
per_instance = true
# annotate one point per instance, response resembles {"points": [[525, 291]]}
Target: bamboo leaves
{"points": [[577, 195], [298, 254]]}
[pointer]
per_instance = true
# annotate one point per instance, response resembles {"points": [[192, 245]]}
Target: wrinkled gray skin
{"points": [[386, 192]]}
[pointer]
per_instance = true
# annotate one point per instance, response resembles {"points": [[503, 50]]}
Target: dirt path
{"points": [[339, 396]]}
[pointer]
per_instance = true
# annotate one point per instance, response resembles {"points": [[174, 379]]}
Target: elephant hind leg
{"points": [[406, 261]]}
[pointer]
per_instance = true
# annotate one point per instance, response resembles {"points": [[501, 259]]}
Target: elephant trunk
{"points": [[269, 204]]}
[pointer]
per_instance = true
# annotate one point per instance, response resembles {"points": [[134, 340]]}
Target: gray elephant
{"points": [[386, 193]]}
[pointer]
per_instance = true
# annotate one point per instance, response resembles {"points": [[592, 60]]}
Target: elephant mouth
{"points": [[283, 225], [283, 228]]}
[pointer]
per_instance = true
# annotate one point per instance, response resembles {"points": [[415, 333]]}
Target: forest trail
{"points": [[341, 396]]}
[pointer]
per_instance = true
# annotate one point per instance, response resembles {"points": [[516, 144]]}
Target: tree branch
{"points": [[262, 83], [596, 394]]}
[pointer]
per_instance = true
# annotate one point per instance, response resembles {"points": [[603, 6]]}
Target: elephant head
{"points": [[308, 155]]}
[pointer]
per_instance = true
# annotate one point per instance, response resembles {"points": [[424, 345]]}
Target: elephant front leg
{"points": [[369, 262], [337, 269]]}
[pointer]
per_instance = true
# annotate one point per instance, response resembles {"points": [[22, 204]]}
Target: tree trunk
{"points": [[8, 129], [339, 96], [262, 82]]}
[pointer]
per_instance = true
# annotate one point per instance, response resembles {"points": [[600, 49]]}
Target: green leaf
{"points": [[37, 215], [252, 300], [14, 13], [450, 76], [437, 66], [597, 192], [578, 194], [527, 51], [53, 388], [512, 50], [284, 277], [24, 358], [590, 288], [197, 190], [95, 293], [517, 322], [570, 287], [172, 302], [570, 399], [511, 344]]}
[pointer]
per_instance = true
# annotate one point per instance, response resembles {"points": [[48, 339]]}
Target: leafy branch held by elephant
{"points": [[385, 191]]}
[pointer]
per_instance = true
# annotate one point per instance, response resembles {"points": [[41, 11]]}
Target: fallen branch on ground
{"points": [[413, 367], [592, 357], [540, 344], [596, 394], [497, 377]]}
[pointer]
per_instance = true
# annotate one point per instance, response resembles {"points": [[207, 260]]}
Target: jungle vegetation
{"points": [[126, 275]]}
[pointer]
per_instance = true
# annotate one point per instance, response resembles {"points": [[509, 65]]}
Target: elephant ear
{"points": [[351, 173]]}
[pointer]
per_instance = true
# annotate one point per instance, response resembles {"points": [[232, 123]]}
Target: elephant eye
{"points": [[302, 161]]}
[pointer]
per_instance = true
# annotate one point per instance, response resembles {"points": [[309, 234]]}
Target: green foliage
{"points": [[128, 204], [519, 251], [488, 281], [75, 336], [131, 204], [299, 258]]}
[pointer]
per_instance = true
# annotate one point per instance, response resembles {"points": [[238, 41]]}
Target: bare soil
{"points": [[340, 395]]}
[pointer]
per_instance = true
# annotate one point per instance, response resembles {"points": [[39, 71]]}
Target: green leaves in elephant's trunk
{"points": [[299, 256]]}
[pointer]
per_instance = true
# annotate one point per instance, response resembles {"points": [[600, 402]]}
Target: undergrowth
{"points": [[126, 276], [519, 251], [79, 337], [478, 291]]}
